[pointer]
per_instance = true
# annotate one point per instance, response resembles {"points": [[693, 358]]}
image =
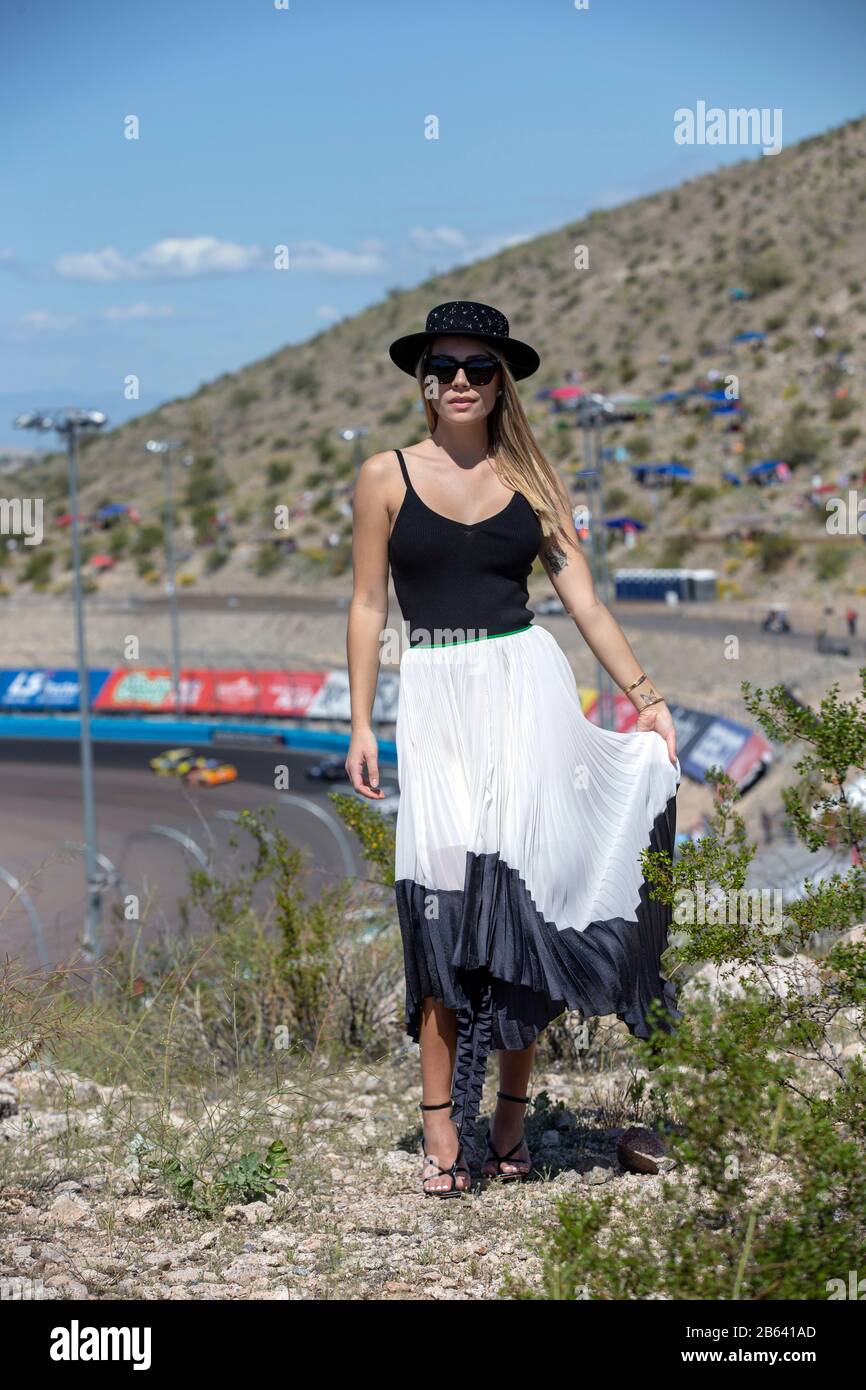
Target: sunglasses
{"points": [[480, 369]]}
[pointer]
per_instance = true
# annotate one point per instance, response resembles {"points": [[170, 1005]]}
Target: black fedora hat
{"points": [[469, 320]]}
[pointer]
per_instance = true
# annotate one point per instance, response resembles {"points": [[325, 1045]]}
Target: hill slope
{"points": [[652, 312]]}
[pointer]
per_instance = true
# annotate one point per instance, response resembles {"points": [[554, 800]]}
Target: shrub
{"points": [[243, 397], [761, 1092], [147, 538], [278, 471], [775, 549], [268, 558], [799, 443], [831, 562], [675, 550], [37, 567], [203, 483], [763, 274]]}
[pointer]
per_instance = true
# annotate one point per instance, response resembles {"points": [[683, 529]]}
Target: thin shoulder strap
{"points": [[405, 471]]}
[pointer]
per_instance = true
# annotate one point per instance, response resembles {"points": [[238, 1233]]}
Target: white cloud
{"points": [[138, 311], [46, 320], [175, 258], [436, 238], [454, 248], [369, 259], [188, 258]]}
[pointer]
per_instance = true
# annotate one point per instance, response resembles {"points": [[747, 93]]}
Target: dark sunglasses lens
{"points": [[443, 368], [479, 370]]}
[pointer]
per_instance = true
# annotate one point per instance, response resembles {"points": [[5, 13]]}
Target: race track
{"points": [[40, 808]]}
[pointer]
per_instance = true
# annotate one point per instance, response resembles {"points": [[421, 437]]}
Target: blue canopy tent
{"points": [[759, 470], [718, 394], [112, 509], [667, 397], [619, 523], [672, 469], [752, 337], [733, 478]]}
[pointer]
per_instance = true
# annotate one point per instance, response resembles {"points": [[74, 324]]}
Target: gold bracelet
{"points": [[640, 680]]}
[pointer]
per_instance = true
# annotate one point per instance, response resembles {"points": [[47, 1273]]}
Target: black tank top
{"points": [[456, 582]]}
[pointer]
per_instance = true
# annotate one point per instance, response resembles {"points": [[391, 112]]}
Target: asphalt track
{"points": [[652, 617], [40, 808]]}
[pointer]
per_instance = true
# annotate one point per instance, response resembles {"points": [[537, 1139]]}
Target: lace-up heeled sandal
{"points": [[458, 1166], [499, 1159]]}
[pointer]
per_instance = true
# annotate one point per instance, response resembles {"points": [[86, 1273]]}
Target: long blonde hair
{"points": [[520, 465]]}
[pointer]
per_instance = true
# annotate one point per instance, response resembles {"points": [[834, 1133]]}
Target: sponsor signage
{"points": [[45, 689]]}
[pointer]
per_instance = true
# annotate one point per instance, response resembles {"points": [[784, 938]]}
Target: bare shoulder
{"points": [[377, 473], [378, 486]]}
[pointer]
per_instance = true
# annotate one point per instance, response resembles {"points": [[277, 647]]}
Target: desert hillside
{"points": [[652, 313]]}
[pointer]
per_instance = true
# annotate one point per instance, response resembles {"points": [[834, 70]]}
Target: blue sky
{"points": [[304, 127]]}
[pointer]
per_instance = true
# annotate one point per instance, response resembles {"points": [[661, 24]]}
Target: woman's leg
{"points": [[506, 1125], [438, 1042]]}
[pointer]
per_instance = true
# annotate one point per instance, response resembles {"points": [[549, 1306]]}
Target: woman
{"points": [[518, 881]]}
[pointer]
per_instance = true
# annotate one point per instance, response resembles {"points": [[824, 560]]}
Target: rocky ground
{"points": [[350, 1222]]}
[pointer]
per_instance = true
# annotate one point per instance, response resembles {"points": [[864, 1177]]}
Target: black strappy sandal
{"points": [[499, 1159], [453, 1190]]}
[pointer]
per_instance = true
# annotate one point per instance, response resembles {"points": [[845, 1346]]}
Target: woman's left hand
{"points": [[659, 719]]}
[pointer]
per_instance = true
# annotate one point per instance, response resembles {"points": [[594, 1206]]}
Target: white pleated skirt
{"points": [[518, 881]]}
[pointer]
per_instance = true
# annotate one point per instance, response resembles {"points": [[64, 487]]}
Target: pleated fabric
{"points": [[518, 881]]}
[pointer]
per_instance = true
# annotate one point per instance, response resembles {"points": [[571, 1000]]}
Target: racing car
{"points": [[194, 768]]}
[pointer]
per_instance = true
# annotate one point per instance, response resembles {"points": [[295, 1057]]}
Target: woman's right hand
{"points": [[364, 750]]}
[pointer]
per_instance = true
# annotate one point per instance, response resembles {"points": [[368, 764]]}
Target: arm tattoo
{"points": [[555, 557], [649, 696]]}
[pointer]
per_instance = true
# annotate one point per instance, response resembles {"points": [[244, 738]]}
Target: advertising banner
{"points": [[45, 690]]}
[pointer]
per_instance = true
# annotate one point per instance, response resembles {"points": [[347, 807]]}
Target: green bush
{"points": [[268, 558], [775, 549], [831, 562], [761, 1092], [278, 471], [37, 567], [203, 483], [147, 538], [762, 274]]}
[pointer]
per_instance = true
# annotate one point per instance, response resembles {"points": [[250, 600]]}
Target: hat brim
{"points": [[522, 359]]}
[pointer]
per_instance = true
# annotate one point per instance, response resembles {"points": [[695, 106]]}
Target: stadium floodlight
{"points": [[167, 447], [70, 422]]}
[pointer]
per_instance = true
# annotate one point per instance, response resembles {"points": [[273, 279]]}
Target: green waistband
{"points": [[429, 646]]}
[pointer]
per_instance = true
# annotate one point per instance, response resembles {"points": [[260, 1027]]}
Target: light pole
{"points": [[355, 433], [69, 424], [165, 447]]}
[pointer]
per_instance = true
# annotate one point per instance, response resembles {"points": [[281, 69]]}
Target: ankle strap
{"points": [[440, 1106], [522, 1100]]}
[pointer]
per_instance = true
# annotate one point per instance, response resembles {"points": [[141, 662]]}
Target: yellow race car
{"points": [[174, 762], [194, 768]]}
